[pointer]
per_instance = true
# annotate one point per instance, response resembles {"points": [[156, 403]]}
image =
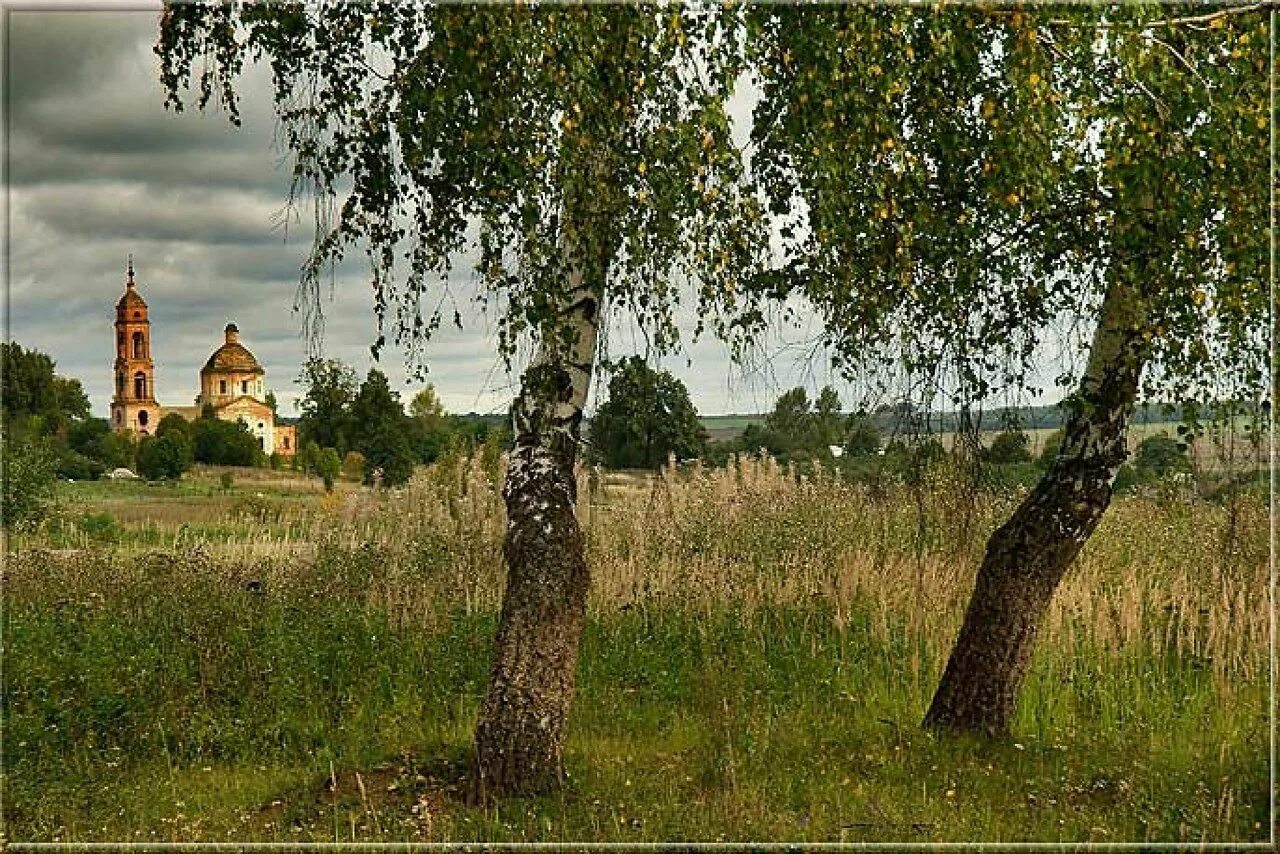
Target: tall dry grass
{"points": [[1162, 573]]}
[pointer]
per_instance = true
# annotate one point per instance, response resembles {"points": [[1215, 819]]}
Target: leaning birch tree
{"points": [[969, 177], [579, 159]]}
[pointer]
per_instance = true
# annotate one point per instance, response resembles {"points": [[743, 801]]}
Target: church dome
{"points": [[130, 299], [232, 357]]}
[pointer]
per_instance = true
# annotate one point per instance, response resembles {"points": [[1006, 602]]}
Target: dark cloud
{"points": [[141, 213], [55, 52], [100, 169], [86, 106]]}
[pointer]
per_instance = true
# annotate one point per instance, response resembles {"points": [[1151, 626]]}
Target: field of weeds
{"points": [[271, 663]]}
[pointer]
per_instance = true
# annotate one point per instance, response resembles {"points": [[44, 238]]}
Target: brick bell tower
{"points": [[133, 407]]}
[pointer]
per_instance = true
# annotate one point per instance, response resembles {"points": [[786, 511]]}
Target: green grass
{"points": [[758, 655], [178, 706], [201, 482], [135, 514]]}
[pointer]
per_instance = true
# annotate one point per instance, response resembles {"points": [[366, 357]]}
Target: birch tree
{"points": [[579, 160], [965, 178]]}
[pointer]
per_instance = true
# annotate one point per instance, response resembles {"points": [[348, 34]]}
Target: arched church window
{"points": [[143, 418], [222, 386], [139, 346], [139, 384], [120, 383]]}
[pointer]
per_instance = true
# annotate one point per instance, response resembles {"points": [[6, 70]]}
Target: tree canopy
{"points": [[799, 428], [583, 157], [33, 390], [329, 391], [647, 418], [956, 183], [164, 457], [48, 415], [380, 430], [946, 187], [477, 128], [225, 443]]}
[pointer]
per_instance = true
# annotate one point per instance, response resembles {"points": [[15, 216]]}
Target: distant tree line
{"points": [[49, 434], [648, 418], [209, 439], [856, 445], [361, 429]]}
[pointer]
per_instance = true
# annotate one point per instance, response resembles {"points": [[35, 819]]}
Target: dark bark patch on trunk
{"points": [[520, 733]]}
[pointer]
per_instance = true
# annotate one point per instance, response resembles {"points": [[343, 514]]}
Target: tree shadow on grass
{"points": [[400, 798]]}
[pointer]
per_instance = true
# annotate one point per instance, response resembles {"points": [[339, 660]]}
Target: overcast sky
{"points": [[99, 169]]}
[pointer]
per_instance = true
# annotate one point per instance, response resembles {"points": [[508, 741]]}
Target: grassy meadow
{"points": [[268, 662]]}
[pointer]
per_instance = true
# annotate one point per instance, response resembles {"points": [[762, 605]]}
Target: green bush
{"points": [[101, 527], [164, 457], [173, 423], [118, 450], [388, 458], [309, 457], [1052, 444], [1157, 458], [909, 459], [1010, 446], [1162, 456], [328, 466], [864, 437], [1129, 477], [352, 465], [102, 448], [30, 474], [1007, 476], [76, 466], [224, 443]]}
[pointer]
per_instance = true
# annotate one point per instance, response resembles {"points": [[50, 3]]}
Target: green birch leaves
{"points": [[973, 176], [500, 129], [950, 187]]}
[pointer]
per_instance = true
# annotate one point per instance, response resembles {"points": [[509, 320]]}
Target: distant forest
{"points": [[902, 419]]}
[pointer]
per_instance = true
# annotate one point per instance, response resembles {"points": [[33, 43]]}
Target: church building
{"points": [[231, 382]]}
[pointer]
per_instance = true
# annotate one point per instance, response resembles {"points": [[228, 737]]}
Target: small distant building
{"points": [[231, 382]]}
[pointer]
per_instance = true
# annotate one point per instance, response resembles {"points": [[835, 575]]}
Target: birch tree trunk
{"points": [[1027, 557], [520, 732]]}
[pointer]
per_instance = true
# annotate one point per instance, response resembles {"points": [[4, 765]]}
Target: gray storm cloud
{"points": [[100, 169]]}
